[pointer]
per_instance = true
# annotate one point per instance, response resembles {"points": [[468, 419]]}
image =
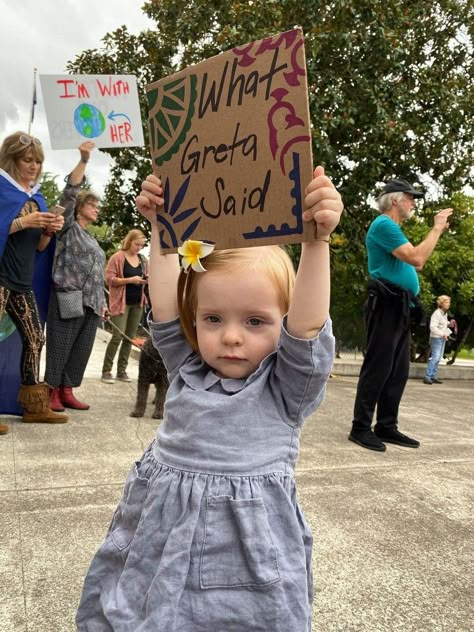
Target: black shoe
{"points": [[436, 381], [394, 436], [367, 439], [426, 380]]}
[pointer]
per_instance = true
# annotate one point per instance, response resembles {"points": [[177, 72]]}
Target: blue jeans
{"points": [[437, 351]]}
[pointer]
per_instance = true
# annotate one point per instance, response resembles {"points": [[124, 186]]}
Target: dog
{"points": [[151, 370]]}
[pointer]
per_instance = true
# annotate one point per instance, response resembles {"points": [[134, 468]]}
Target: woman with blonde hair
{"points": [[126, 277], [26, 228]]}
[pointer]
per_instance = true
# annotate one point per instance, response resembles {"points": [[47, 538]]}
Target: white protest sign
{"points": [[101, 108]]}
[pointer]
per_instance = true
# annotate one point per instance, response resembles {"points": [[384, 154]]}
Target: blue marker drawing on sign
{"points": [[89, 120], [297, 210], [170, 209], [113, 115]]}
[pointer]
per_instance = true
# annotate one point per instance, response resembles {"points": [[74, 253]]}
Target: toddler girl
{"points": [[209, 536]]}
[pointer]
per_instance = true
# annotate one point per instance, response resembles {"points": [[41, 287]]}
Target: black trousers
{"points": [[69, 345], [384, 372]]}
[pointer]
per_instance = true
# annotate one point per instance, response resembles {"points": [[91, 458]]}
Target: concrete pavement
{"points": [[393, 530]]}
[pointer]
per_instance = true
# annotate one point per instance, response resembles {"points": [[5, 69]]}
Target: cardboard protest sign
{"points": [[230, 140], [101, 108]]}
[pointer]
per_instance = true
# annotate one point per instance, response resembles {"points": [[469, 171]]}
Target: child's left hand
{"points": [[323, 204]]}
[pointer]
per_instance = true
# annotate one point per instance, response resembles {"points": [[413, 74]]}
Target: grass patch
{"points": [[464, 353]]}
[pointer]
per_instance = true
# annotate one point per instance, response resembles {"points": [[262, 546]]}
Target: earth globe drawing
{"points": [[89, 121]]}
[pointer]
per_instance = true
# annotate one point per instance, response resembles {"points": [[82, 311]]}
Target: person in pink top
{"points": [[126, 277]]}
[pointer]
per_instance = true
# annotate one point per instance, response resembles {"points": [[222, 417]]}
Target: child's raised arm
{"points": [[309, 307], [164, 269]]}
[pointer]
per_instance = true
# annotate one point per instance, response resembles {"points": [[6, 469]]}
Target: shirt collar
{"points": [[198, 376]]}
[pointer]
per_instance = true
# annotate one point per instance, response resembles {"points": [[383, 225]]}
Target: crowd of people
{"points": [[77, 263], [71, 286], [248, 348]]}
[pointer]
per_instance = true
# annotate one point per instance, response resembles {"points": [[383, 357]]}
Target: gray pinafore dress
{"points": [[209, 536]]}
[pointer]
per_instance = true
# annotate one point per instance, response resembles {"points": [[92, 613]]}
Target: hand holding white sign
{"points": [[86, 149]]}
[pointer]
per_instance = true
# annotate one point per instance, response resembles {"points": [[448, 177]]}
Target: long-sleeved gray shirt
{"points": [[79, 260]]}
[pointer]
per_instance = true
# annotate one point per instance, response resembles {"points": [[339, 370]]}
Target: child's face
{"points": [[238, 320]]}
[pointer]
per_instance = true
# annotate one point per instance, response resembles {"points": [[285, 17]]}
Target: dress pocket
{"points": [[238, 549], [128, 513]]}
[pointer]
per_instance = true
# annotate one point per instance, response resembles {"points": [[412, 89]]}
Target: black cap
{"points": [[401, 186]]}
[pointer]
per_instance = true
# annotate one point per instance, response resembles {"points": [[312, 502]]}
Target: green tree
{"points": [[450, 269], [49, 188], [391, 87]]}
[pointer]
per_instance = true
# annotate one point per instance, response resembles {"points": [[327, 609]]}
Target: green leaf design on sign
{"points": [[172, 109]]}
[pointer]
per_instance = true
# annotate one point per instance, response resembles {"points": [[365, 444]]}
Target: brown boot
{"points": [[3, 428], [35, 403]]}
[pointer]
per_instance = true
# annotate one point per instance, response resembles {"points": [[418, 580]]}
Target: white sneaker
{"points": [[108, 378]]}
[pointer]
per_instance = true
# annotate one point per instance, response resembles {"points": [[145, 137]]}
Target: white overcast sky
{"points": [[46, 34]]}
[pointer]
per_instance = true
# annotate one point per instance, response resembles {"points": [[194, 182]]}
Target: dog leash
{"points": [[124, 335]]}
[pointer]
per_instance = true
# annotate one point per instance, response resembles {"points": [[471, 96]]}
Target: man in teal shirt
{"points": [[393, 263]]}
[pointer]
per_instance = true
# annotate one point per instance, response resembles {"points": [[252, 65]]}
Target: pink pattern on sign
{"points": [[243, 53], [291, 120], [278, 136], [292, 78], [269, 43], [280, 139], [287, 147]]}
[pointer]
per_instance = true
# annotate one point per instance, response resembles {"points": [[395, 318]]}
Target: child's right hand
{"points": [[150, 198]]}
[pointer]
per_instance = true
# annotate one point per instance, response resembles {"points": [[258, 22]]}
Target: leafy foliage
{"points": [[450, 269], [49, 188], [391, 87]]}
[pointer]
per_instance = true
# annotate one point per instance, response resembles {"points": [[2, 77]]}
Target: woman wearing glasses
{"points": [[79, 265], [26, 228]]}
